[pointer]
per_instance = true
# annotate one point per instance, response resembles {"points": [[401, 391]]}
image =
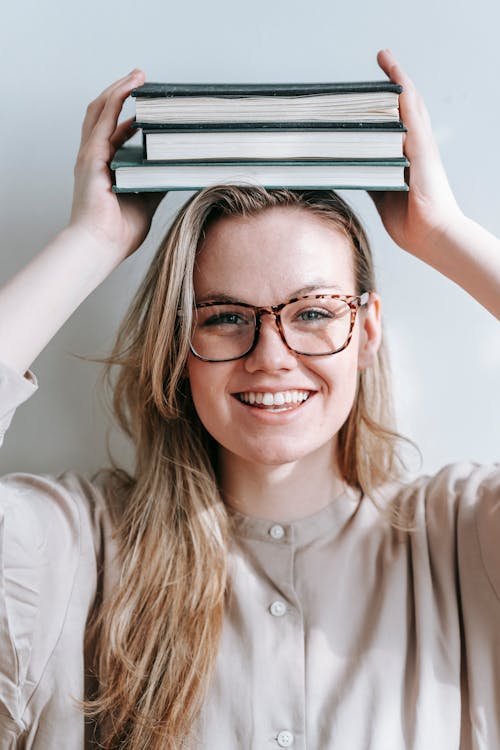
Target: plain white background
{"points": [[57, 56]]}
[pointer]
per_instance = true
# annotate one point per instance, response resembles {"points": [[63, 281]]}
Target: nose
{"points": [[270, 352]]}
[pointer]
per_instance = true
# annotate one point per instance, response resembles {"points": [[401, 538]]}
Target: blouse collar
{"points": [[325, 522]]}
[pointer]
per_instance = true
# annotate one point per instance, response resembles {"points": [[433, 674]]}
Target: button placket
{"points": [[278, 608], [282, 638]]}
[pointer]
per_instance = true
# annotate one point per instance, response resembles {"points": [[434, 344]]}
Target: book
{"points": [[337, 141], [132, 174], [363, 101]]}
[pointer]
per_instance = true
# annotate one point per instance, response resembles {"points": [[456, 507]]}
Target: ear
{"points": [[370, 332]]}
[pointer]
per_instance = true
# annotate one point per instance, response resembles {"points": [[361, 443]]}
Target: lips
{"points": [[274, 400]]}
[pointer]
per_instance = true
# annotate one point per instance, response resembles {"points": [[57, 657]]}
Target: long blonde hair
{"points": [[155, 640]]}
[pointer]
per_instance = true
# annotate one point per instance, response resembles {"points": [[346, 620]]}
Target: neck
{"points": [[286, 492]]}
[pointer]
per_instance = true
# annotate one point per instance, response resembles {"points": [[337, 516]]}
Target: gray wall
{"points": [[57, 56]]}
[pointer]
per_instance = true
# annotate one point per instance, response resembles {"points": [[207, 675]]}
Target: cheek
{"points": [[201, 380], [340, 370], [341, 378], [351, 373], [207, 383]]}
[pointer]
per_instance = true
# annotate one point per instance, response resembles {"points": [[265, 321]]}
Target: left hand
{"points": [[417, 220]]}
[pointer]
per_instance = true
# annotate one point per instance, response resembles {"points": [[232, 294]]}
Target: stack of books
{"points": [[303, 136]]}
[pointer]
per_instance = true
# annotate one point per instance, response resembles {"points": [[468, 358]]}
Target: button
{"points": [[278, 609], [284, 739], [277, 531]]}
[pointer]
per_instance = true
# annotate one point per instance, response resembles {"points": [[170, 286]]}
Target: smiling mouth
{"points": [[279, 401]]}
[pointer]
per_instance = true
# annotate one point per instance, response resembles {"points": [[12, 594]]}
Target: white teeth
{"points": [[280, 398]]}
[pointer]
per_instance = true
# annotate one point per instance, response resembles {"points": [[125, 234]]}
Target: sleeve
{"points": [[14, 390], [39, 551], [487, 518], [465, 497], [51, 548], [475, 496], [54, 565]]}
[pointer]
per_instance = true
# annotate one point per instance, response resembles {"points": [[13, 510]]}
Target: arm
{"points": [[103, 230], [427, 221]]}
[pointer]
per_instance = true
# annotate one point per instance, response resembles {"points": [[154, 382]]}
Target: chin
{"points": [[273, 454]]}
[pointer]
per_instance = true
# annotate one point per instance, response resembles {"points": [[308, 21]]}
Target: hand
{"points": [[418, 219], [119, 223]]}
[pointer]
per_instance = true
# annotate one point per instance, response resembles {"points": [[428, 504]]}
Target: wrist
{"points": [[441, 237], [469, 255], [95, 248]]}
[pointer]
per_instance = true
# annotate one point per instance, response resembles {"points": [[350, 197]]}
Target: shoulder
{"points": [[465, 482], [455, 490], [52, 532], [455, 517], [40, 509]]}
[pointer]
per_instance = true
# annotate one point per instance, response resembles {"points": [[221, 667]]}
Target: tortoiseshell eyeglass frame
{"points": [[354, 302]]}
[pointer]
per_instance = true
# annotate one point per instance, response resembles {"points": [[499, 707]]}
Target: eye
{"points": [[309, 317], [318, 314], [314, 314], [225, 319]]}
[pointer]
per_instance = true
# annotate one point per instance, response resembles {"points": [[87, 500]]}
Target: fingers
{"points": [[104, 110], [107, 121], [391, 67], [413, 111]]}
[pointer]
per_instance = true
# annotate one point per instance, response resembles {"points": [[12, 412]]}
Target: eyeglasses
{"points": [[315, 325]]}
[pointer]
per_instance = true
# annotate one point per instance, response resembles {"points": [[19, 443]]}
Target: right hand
{"points": [[119, 223]]}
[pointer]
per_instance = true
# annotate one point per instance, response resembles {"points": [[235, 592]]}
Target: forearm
{"points": [[39, 299], [469, 255]]}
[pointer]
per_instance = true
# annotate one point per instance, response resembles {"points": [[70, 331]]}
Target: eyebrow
{"points": [[221, 296]]}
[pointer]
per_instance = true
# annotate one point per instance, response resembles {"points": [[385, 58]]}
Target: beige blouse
{"points": [[341, 632]]}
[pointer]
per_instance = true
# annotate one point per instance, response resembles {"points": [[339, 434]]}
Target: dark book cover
{"points": [[270, 126], [158, 90]]}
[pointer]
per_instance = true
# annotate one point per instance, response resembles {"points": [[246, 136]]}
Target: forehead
{"points": [[264, 259]]}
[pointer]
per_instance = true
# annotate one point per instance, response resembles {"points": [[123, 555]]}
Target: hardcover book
{"points": [[364, 101], [132, 174], [279, 143]]}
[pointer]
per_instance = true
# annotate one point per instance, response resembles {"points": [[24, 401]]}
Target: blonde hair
{"points": [[155, 641]]}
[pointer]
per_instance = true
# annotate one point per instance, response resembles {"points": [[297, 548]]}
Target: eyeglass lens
{"points": [[310, 326]]}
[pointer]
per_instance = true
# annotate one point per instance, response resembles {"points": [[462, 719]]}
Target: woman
{"points": [[241, 590]]}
